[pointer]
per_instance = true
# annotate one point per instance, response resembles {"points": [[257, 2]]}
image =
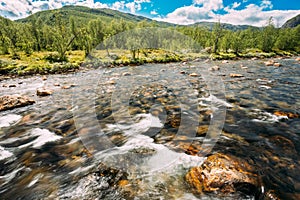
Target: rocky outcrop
{"points": [[225, 174], [14, 101], [293, 22]]}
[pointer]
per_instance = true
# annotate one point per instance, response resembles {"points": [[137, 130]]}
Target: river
{"points": [[126, 133]]}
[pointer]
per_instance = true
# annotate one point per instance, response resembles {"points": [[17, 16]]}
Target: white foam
{"points": [[4, 153], [160, 158], [215, 100], [10, 176], [146, 121], [266, 117], [35, 180], [8, 120], [265, 87], [43, 136]]}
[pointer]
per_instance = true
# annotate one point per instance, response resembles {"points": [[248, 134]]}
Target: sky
{"points": [[238, 12]]}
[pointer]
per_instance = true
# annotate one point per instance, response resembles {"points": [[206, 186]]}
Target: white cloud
{"points": [[119, 5], [210, 4], [255, 15], [236, 5], [266, 4], [153, 12], [15, 9], [131, 6], [188, 15]]}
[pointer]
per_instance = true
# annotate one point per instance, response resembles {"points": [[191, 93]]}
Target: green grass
{"points": [[38, 62]]}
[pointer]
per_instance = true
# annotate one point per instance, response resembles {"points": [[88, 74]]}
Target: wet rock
{"points": [[44, 78], [232, 75], [224, 174], [270, 63], [12, 85], [285, 145], [194, 75], [68, 86], [111, 82], [277, 64], [43, 92], [185, 146], [225, 61], [214, 68], [286, 114], [10, 102], [202, 130], [126, 74], [243, 67]]}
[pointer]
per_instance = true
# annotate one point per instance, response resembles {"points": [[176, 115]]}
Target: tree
{"points": [[226, 41], [216, 36], [238, 43], [62, 36], [268, 36]]}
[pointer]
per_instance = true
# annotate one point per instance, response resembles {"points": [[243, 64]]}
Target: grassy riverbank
{"points": [[46, 62]]}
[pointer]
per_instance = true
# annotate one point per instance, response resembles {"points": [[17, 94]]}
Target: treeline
{"points": [[61, 37]]}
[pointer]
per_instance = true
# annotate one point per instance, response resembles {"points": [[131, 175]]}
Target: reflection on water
{"points": [[42, 156]]}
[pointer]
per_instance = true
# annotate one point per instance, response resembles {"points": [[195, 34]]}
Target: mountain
{"points": [[293, 22], [84, 14], [210, 25]]}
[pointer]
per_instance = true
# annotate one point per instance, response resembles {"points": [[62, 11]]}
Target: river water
{"points": [[131, 132]]}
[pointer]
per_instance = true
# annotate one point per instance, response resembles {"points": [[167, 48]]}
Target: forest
{"points": [[56, 40]]}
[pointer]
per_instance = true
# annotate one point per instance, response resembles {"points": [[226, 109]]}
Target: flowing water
{"points": [[129, 134]]}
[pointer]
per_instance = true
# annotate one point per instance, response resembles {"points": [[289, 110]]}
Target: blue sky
{"points": [[251, 12]]}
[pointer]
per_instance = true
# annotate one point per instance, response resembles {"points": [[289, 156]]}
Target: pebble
{"points": [[270, 63], [225, 61], [232, 75], [126, 74], [194, 75], [214, 68], [277, 64]]}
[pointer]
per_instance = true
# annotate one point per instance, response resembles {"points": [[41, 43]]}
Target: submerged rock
{"points": [[43, 92], [236, 75], [270, 63], [194, 75], [286, 114], [215, 68], [14, 101], [277, 64], [225, 174]]}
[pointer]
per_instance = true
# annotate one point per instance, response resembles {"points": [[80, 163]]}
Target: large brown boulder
{"points": [[14, 101], [225, 174]]}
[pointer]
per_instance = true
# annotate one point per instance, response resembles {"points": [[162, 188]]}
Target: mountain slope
{"points": [[210, 25], [84, 14], [293, 22]]}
